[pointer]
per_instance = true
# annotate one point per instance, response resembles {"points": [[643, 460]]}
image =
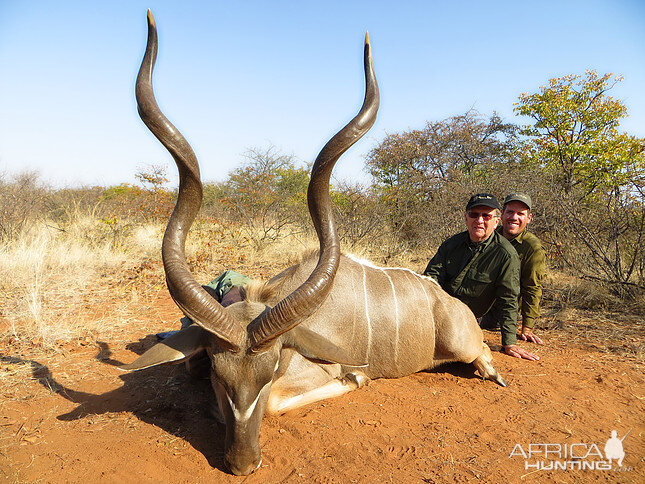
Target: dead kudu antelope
{"points": [[319, 329]]}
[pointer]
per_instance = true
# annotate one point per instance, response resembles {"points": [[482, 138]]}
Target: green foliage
{"points": [[150, 203], [575, 134], [267, 195], [597, 205], [124, 190], [424, 176]]}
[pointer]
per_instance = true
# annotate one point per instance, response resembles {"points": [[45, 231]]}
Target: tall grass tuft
{"points": [[53, 281]]}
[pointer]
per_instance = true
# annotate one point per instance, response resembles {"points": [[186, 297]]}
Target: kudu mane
{"points": [[267, 292], [260, 292]]}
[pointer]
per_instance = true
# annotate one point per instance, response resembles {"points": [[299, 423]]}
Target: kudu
{"points": [[334, 314]]}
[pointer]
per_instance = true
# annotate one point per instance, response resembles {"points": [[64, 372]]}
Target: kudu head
{"points": [[244, 340]]}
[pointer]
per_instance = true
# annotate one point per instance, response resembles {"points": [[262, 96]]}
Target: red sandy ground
{"points": [[71, 416]]}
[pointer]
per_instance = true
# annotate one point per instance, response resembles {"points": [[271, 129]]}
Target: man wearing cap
{"points": [[516, 215], [480, 267]]}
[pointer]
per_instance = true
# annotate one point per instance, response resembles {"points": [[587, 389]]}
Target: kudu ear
{"points": [[174, 349], [315, 347]]}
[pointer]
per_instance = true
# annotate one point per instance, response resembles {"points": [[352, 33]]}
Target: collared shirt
{"points": [[480, 275], [532, 271]]}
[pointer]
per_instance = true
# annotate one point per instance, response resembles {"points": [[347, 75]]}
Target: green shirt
{"points": [[222, 284], [532, 271], [479, 275], [226, 281]]}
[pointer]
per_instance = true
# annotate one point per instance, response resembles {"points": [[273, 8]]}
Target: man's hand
{"points": [[519, 352], [527, 334]]}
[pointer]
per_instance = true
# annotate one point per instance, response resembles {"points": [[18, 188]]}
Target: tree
{"points": [[459, 144], [127, 203], [424, 176], [267, 194], [598, 218], [22, 202], [575, 133], [358, 217]]}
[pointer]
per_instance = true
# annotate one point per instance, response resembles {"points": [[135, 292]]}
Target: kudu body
{"points": [[318, 329]]}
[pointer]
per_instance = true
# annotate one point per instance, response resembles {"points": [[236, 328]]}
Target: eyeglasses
{"points": [[485, 216]]}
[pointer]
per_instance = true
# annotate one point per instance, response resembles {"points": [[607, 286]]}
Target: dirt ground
{"points": [[69, 415]]}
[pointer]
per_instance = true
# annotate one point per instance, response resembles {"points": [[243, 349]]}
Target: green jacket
{"points": [[480, 275], [222, 284], [532, 271]]}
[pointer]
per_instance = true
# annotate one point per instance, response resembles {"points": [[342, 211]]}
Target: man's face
{"points": [[515, 217], [481, 221]]}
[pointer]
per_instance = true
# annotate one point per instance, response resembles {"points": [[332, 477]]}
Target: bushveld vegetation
{"points": [[73, 259]]}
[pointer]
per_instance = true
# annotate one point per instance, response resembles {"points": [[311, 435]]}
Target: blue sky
{"points": [[238, 75]]}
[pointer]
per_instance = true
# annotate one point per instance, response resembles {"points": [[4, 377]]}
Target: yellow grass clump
{"points": [[52, 279]]}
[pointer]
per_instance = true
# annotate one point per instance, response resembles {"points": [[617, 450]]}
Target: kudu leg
{"points": [[281, 401], [484, 365]]}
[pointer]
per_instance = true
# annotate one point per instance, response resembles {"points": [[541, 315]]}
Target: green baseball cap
{"points": [[519, 197]]}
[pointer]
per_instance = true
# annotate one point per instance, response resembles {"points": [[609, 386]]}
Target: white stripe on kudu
{"points": [[367, 313], [396, 317]]}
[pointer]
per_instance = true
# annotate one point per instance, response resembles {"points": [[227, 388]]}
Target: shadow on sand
{"points": [[165, 396]]}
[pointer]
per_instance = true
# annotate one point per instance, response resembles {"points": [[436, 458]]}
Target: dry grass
{"points": [[93, 281], [52, 281], [586, 313], [58, 286]]}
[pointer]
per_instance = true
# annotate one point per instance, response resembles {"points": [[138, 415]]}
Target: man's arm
{"points": [[507, 293], [533, 272], [507, 289], [436, 268]]}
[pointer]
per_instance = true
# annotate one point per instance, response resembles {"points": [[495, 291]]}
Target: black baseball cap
{"points": [[485, 199], [519, 197]]}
